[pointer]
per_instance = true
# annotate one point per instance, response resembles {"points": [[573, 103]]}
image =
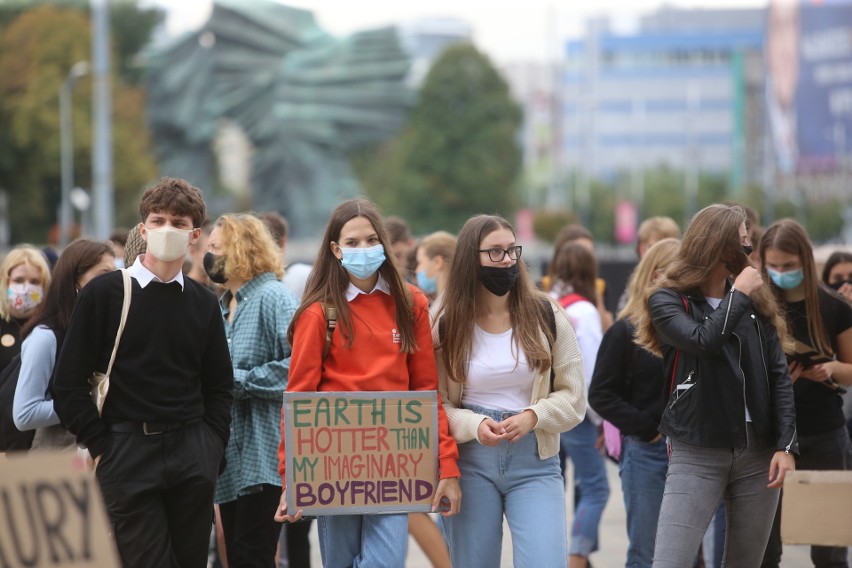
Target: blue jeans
{"points": [[508, 479], [363, 541], [697, 479], [590, 478], [642, 468]]}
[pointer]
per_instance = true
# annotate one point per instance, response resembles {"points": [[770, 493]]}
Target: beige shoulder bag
{"points": [[100, 381]]}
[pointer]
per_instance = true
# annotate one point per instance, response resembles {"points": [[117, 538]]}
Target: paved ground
{"points": [[613, 539]]}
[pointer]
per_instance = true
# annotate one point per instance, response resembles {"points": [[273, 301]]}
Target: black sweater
{"points": [[172, 363], [628, 383]]}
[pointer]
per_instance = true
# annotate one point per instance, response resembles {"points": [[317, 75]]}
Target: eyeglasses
{"points": [[497, 254]]}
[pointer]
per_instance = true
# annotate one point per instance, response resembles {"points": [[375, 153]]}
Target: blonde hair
{"points": [[248, 248], [655, 229], [656, 259], [440, 243], [23, 254]]}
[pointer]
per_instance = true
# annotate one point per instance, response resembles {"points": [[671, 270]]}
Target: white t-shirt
{"points": [[498, 375]]}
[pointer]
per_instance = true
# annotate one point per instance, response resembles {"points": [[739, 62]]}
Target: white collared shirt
{"points": [[381, 284], [145, 276]]}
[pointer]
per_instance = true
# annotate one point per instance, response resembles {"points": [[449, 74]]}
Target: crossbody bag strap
{"points": [[125, 308]]}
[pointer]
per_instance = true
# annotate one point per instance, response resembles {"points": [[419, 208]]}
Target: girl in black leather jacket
{"points": [[729, 414]]}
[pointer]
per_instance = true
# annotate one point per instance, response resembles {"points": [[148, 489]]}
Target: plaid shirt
{"points": [[257, 340]]}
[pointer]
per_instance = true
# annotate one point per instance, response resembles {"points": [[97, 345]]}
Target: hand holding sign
{"points": [[281, 515], [447, 497]]}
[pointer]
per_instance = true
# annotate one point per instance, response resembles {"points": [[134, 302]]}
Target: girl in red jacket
{"points": [[382, 342]]}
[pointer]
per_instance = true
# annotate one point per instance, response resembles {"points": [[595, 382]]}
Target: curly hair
{"points": [[248, 248]]}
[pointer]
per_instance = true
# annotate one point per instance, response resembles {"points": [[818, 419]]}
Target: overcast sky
{"points": [[508, 30]]}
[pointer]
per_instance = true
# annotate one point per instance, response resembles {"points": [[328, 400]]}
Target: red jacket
{"points": [[374, 361]]}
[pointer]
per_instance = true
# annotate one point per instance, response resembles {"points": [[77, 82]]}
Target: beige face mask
{"points": [[167, 243]]}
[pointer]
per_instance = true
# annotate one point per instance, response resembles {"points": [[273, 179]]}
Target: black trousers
{"points": [[298, 545], [158, 492], [251, 535]]}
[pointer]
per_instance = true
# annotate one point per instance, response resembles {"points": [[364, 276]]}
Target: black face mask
{"points": [[498, 280], [214, 266], [837, 285], [748, 249]]}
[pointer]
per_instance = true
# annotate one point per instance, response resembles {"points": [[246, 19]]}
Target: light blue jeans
{"points": [[363, 541], [508, 479], [643, 478], [590, 479], [698, 478]]}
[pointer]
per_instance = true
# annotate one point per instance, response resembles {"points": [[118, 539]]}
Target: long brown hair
{"points": [[575, 266], [788, 236], [328, 279], [460, 304], [55, 309], [712, 237]]}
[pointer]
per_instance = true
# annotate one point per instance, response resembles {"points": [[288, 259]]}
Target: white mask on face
{"points": [[167, 243]]}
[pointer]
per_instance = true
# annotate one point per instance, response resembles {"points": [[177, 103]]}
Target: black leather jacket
{"points": [[717, 362]]}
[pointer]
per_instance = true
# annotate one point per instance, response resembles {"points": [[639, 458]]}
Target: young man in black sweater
{"points": [[158, 445]]}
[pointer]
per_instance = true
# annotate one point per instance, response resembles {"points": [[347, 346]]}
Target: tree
{"points": [[458, 154], [36, 51]]}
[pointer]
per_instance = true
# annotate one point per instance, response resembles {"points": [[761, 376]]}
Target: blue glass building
{"points": [[681, 90]]}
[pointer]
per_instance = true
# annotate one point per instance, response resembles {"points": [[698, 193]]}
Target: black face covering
{"points": [[837, 285], [748, 249], [214, 266], [498, 280]]}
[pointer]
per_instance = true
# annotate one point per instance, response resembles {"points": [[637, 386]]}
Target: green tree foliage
{"points": [[458, 154], [131, 27], [37, 48]]}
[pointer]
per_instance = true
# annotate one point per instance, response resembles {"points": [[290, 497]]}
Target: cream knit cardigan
{"points": [[557, 412]]}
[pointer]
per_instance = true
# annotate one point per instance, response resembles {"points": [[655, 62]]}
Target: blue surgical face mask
{"points": [[428, 285], [786, 280], [363, 262]]}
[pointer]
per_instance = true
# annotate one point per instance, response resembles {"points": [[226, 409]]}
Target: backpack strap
{"points": [[677, 352], [570, 299], [550, 318], [330, 313]]}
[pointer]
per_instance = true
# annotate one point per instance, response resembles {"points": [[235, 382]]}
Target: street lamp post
{"points": [[78, 70]]}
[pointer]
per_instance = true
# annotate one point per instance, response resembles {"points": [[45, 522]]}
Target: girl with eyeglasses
{"points": [[821, 361], [510, 386], [382, 342]]}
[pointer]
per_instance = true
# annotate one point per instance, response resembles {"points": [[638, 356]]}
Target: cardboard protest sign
{"points": [[817, 508], [52, 514], [361, 452]]}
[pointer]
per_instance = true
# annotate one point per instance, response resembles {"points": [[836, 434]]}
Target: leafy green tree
{"points": [[458, 154], [36, 51], [131, 27]]}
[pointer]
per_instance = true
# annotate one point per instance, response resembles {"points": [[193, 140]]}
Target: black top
{"points": [[172, 363], [628, 384], [10, 340], [818, 408]]}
